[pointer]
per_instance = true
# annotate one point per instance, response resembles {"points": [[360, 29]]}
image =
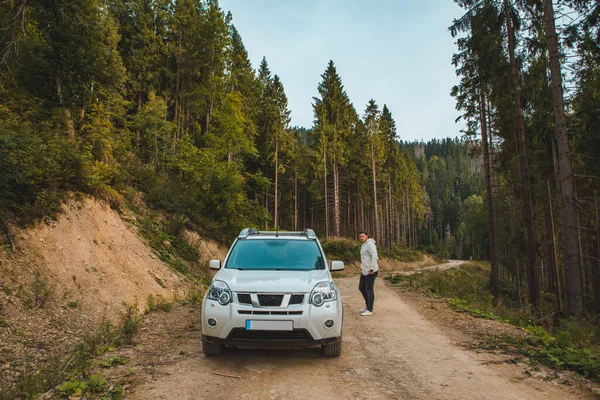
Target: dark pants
{"points": [[366, 288]]}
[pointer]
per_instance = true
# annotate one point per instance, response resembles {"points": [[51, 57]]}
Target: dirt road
{"points": [[438, 267], [395, 354]]}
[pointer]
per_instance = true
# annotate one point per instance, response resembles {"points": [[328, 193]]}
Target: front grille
{"points": [[242, 334], [250, 312], [270, 300], [244, 298]]}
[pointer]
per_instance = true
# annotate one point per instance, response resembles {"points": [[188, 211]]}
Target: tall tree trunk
{"points": [[408, 215], [490, 204], [398, 228], [551, 250], [405, 222], [388, 223], [362, 213], [326, 196], [155, 145], [349, 221], [596, 270], [67, 112], [568, 229], [336, 197], [355, 206], [533, 281], [275, 215], [296, 201], [178, 105], [374, 173]]}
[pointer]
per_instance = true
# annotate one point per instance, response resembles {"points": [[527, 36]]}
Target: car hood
{"points": [[272, 281]]}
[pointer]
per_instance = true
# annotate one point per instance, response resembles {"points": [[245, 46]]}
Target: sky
{"points": [[397, 52]]}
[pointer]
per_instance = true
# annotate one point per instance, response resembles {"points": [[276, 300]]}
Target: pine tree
{"points": [[569, 223], [373, 130], [75, 51], [334, 120]]}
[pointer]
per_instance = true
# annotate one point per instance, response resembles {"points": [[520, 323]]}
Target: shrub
{"points": [[41, 290], [342, 249], [36, 167], [130, 322], [568, 344], [401, 253]]}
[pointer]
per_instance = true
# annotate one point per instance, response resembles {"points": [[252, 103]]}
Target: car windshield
{"points": [[276, 254]]}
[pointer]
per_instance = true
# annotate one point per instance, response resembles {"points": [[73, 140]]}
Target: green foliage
{"points": [[95, 384], [73, 304], [194, 296], [113, 361], [75, 368], [393, 278], [346, 250], [564, 353], [462, 306], [32, 183], [157, 303], [165, 236], [568, 344], [42, 291], [130, 320], [399, 253]]}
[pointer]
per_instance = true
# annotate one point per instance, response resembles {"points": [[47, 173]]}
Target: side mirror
{"points": [[214, 264], [337, 265]]}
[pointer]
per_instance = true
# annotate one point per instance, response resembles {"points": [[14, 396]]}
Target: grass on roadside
{"points": [[74, 376], [559, 343], [348, 251]]}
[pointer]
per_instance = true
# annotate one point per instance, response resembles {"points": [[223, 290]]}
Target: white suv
{"points": [[274, 290]]}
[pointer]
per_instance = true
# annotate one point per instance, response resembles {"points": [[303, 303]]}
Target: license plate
{"points": [[255, 325]]}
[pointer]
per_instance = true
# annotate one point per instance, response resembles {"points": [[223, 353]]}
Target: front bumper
{"points": [[307, 321]]}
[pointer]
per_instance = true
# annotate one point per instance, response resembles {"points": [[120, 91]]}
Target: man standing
{"points": [[368, 263]]}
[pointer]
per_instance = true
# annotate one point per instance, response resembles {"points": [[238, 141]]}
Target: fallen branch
{"points": [[227, 375], [62, 372]]}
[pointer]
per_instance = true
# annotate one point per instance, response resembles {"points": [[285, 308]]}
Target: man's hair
{"points": [[363, 231]]}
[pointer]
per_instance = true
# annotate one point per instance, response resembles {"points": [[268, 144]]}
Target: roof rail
{"points": [[247, 232], [309, 233]]}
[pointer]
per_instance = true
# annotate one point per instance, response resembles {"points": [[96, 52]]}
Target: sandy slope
{"points": [[87, 263]]}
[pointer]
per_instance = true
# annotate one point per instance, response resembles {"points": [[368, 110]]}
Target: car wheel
{"points": [[333, 349], [212, 349]]}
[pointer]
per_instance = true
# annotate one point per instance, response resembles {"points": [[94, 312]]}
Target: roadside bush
{"points": [[130, 321], [401, 253], [566, 344], [36, 167], [343, 249], [348, 250], [42, 291], [569, 348]]}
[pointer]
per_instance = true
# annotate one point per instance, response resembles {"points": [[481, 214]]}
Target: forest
{"points": [[159, 99]]}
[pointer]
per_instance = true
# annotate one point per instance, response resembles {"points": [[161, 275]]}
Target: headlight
{"points": [[220, 292], [323, 291]]}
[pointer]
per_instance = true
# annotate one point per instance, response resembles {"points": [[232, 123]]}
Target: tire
{"points": [[333, 349], [212, 349]]}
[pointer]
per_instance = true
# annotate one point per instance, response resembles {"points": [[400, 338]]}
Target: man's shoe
{"points": [[362, 310], [366, 313]]}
